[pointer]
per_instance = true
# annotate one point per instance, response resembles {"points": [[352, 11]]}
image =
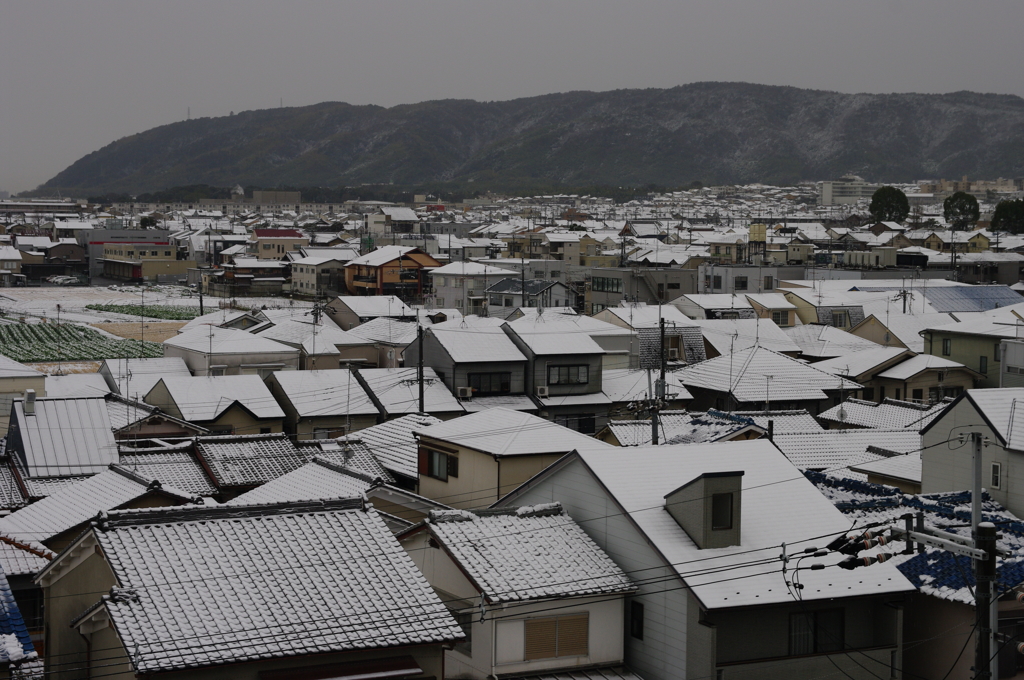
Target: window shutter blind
{"points": [[424, 462], [573, 635], [453, 466], [539, 638]]}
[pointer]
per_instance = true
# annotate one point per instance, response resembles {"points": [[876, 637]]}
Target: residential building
{"points": [[609, 287], [563, 373], [562, 600], [229, 404], [472, 461], [348, 311], [508, 294], [276, 244], [143, 262], [473, 362], [463, 285], [322, 404], [946, 462], [657, 510], [210, 350], [247, 277], [390, 270], [758, 379], [317, 275], [975, 345], [110, 599]]}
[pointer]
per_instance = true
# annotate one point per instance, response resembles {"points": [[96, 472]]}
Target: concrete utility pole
{"points": [[419, 366]]}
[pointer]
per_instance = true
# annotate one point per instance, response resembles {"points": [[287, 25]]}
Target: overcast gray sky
{"points": [[76, 75]]}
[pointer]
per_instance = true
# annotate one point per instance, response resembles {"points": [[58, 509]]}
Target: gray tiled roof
{"points": [[309, 578]]}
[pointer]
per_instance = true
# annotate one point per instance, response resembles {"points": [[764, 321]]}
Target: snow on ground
{"points": [[42, 302]]}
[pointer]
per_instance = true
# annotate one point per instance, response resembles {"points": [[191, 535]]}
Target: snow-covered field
{"points": [[42, 302]]}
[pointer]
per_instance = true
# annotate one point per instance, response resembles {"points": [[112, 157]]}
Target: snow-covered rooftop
{"points": [[526, 553], [263, 567], [504, 432]]}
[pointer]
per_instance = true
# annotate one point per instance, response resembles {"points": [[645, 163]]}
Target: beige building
{"points": [[472, 461], [274, 244], [143, 261]]}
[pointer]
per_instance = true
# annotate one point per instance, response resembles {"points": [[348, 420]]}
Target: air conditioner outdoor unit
{"points": [[673, 353], [542, 391], [465, 392]]}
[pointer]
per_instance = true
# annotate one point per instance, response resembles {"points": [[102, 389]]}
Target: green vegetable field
{"points": [[165, 312], [49, 342]]}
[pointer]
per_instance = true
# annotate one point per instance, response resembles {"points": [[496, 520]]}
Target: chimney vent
{"points": [[30, 402]]}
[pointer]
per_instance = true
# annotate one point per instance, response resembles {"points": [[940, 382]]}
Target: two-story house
{"points": [[462, 285], [476, 362], [137, 593], [533, 593], [563, 373], [390, 270], [692, 521], [472, 461], [275, 244]]}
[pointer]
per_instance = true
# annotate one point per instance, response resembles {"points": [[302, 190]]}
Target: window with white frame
{"points": [[997, 475]]}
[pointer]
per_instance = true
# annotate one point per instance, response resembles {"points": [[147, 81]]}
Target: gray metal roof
{"points": [[64, 437]]}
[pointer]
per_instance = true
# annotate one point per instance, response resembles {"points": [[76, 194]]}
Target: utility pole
{"points": [[659, 386], [419, 365], [985, 595]]}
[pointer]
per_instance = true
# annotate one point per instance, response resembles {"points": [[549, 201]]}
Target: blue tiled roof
{"points": [[11, 621], [935, 572]]}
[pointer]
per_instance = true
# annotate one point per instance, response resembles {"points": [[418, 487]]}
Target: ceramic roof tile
{"points": [[179, 469], [889, 414], [20, 556], [837, 449], [354, 455], [264, 591], [758, 372], [799, 420], [78, 503], [526, 553], [315, 480], [250, 460], [393, 444], [15, 643], [935, 572]]}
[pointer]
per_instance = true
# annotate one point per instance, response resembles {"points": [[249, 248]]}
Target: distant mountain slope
{"points": [[712, 132]]}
